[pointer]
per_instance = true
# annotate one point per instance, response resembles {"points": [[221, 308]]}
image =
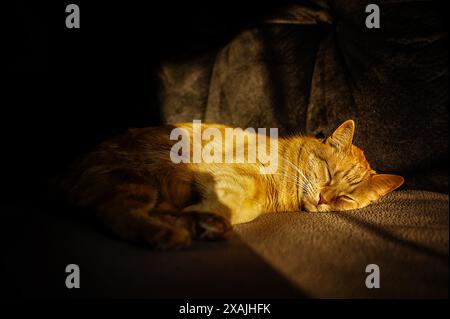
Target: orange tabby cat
{"points": [[138, 192]]}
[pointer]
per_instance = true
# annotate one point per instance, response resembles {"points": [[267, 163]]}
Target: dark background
{"points": [[67, 89]]}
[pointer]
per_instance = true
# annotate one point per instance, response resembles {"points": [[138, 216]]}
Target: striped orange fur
{"points": [[134, 189]]}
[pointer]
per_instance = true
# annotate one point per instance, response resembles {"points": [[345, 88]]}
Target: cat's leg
{"points": [[208, 226], [224, 204], [201, 223], [128, 214], [215, 216]]}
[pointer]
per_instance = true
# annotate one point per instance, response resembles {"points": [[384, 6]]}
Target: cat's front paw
{"points": [[211, 226]]}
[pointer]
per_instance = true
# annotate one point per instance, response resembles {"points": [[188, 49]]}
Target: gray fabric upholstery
{"points": [[325, 254], [310, 67]]}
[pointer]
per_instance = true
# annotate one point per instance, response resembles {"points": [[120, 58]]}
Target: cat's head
{"points": [[342, 179]]}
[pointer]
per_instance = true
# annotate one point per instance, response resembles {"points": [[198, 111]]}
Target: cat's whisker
{"points": [[285, 170], [305, 187], [307, 181], [289, 178], [293, 179]]}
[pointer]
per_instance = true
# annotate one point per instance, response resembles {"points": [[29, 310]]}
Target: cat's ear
{"points": [[342, 137], [385, 183]]}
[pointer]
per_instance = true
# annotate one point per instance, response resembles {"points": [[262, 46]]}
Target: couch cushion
{"points": [[326, 254]]}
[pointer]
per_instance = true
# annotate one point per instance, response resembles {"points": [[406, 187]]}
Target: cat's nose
{"points": [[322, 200]]}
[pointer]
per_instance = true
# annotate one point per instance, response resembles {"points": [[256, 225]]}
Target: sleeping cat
{"points": [[133, 187]]}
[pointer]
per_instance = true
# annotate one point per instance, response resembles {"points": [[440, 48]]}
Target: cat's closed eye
{"points": [[328, 176], [346, 198]]}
